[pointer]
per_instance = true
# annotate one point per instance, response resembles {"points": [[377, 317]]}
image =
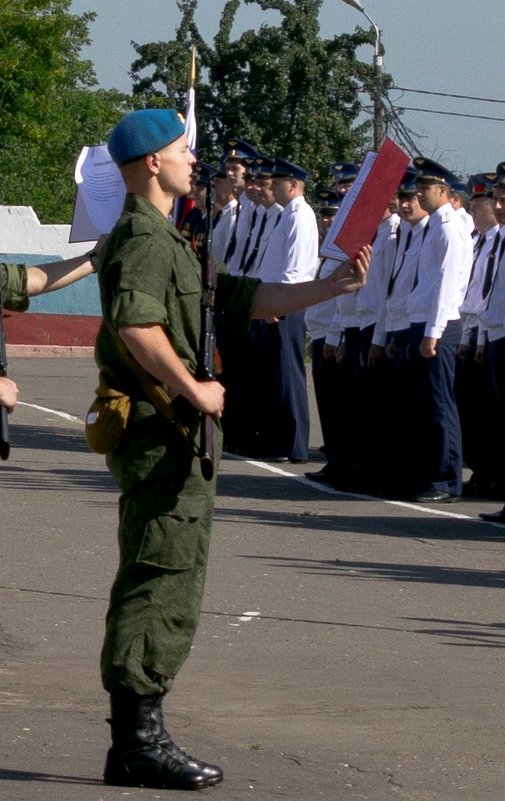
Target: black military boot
{"points": [[139, 756], [213, 773]]}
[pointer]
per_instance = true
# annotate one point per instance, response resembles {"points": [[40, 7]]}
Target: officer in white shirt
{"points": [[326, 373], [291, 256], [225, 211], [236, 151], [264, 335], [474, 385], [390, 338], [230, 345], [440, 283], [460, 202], [492, 324]]}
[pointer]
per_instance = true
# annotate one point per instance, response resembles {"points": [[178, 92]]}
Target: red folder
{"points": [[380, 185]]}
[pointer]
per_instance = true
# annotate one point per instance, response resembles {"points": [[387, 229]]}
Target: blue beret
{"points": [[408, 184], [429, 172], [144, 131], [285, 169]]}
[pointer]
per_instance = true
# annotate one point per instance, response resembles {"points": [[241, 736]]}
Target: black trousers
{"points": [[435, 430]]}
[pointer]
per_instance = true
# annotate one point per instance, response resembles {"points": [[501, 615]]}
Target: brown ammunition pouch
{"points": [[107, 418]]}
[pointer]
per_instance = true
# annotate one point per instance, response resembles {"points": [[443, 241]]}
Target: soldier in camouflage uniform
{"points": [[151, 292]]}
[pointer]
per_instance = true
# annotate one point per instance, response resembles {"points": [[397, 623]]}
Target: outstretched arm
{"points": [[273, 300], [58, 274]]}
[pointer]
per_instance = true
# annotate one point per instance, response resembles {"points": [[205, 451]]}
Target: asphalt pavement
{"points": [[349, 647]]}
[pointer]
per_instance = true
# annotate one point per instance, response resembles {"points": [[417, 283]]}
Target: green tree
{"points": [[283, 88], [48, 106]]}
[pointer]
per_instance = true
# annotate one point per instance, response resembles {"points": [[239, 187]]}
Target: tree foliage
{"points": [[49, 107], [283, 88]]}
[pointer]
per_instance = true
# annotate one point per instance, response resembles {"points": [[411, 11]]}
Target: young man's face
{"points": [[235, 171], [265, 192], [431, 196], [281, 188], [482, 211], [176, 167], [499, 204], [410, 210]]}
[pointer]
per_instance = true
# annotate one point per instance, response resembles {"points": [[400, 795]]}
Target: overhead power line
{"points": [[446, 94], [452, 113]]}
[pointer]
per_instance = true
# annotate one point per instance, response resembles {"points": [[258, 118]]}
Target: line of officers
{"points": [[409, 373]]}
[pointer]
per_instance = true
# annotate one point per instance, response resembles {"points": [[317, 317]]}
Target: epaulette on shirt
{"points": [[141, 224], [446, 215]]}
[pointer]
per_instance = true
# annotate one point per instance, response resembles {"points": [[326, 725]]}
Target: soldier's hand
{"points": [[8, 393], [210, 398], [350, 275]]}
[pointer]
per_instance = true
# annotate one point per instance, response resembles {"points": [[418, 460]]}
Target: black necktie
{"points": [[232, 244], [279, 215], [476, 252], [416, 279], [488, 277], [394, 275], [250, 261], [248, 241], [217, 218]]}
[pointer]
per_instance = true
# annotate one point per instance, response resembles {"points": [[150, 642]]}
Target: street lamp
{"points": [[378, 117]]}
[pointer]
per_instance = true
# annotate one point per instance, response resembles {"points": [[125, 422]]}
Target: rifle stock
{"points": [[4, 417]]}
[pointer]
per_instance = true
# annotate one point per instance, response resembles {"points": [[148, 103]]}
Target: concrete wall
{"points": [[24, 240]]}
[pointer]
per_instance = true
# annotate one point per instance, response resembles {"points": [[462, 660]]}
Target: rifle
{"points": [[206, 369], [4, 418]]}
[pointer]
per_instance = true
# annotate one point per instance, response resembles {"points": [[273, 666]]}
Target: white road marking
{"points": [[331, 491], [65, 415]]}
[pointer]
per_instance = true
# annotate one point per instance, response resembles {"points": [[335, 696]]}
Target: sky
{"points": [[437, 46]]}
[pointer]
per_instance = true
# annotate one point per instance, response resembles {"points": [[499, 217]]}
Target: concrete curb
{"points": [[46, 351]]}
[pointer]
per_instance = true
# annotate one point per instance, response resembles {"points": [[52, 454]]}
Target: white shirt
{"points": [[243, 226], [272, 217], [473, 303], [291, 254], [318, 318], [401, 274], [223, 230], [467, 218], [444, 268], [492, 318], [369, 297]]}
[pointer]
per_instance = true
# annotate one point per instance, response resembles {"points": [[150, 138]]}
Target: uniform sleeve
{"points": [[134, 307], [13, 283]]}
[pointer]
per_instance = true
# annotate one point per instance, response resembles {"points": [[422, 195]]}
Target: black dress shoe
{"points": [[294, 460], [434, 496], [320, 476], [494, 517]]}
